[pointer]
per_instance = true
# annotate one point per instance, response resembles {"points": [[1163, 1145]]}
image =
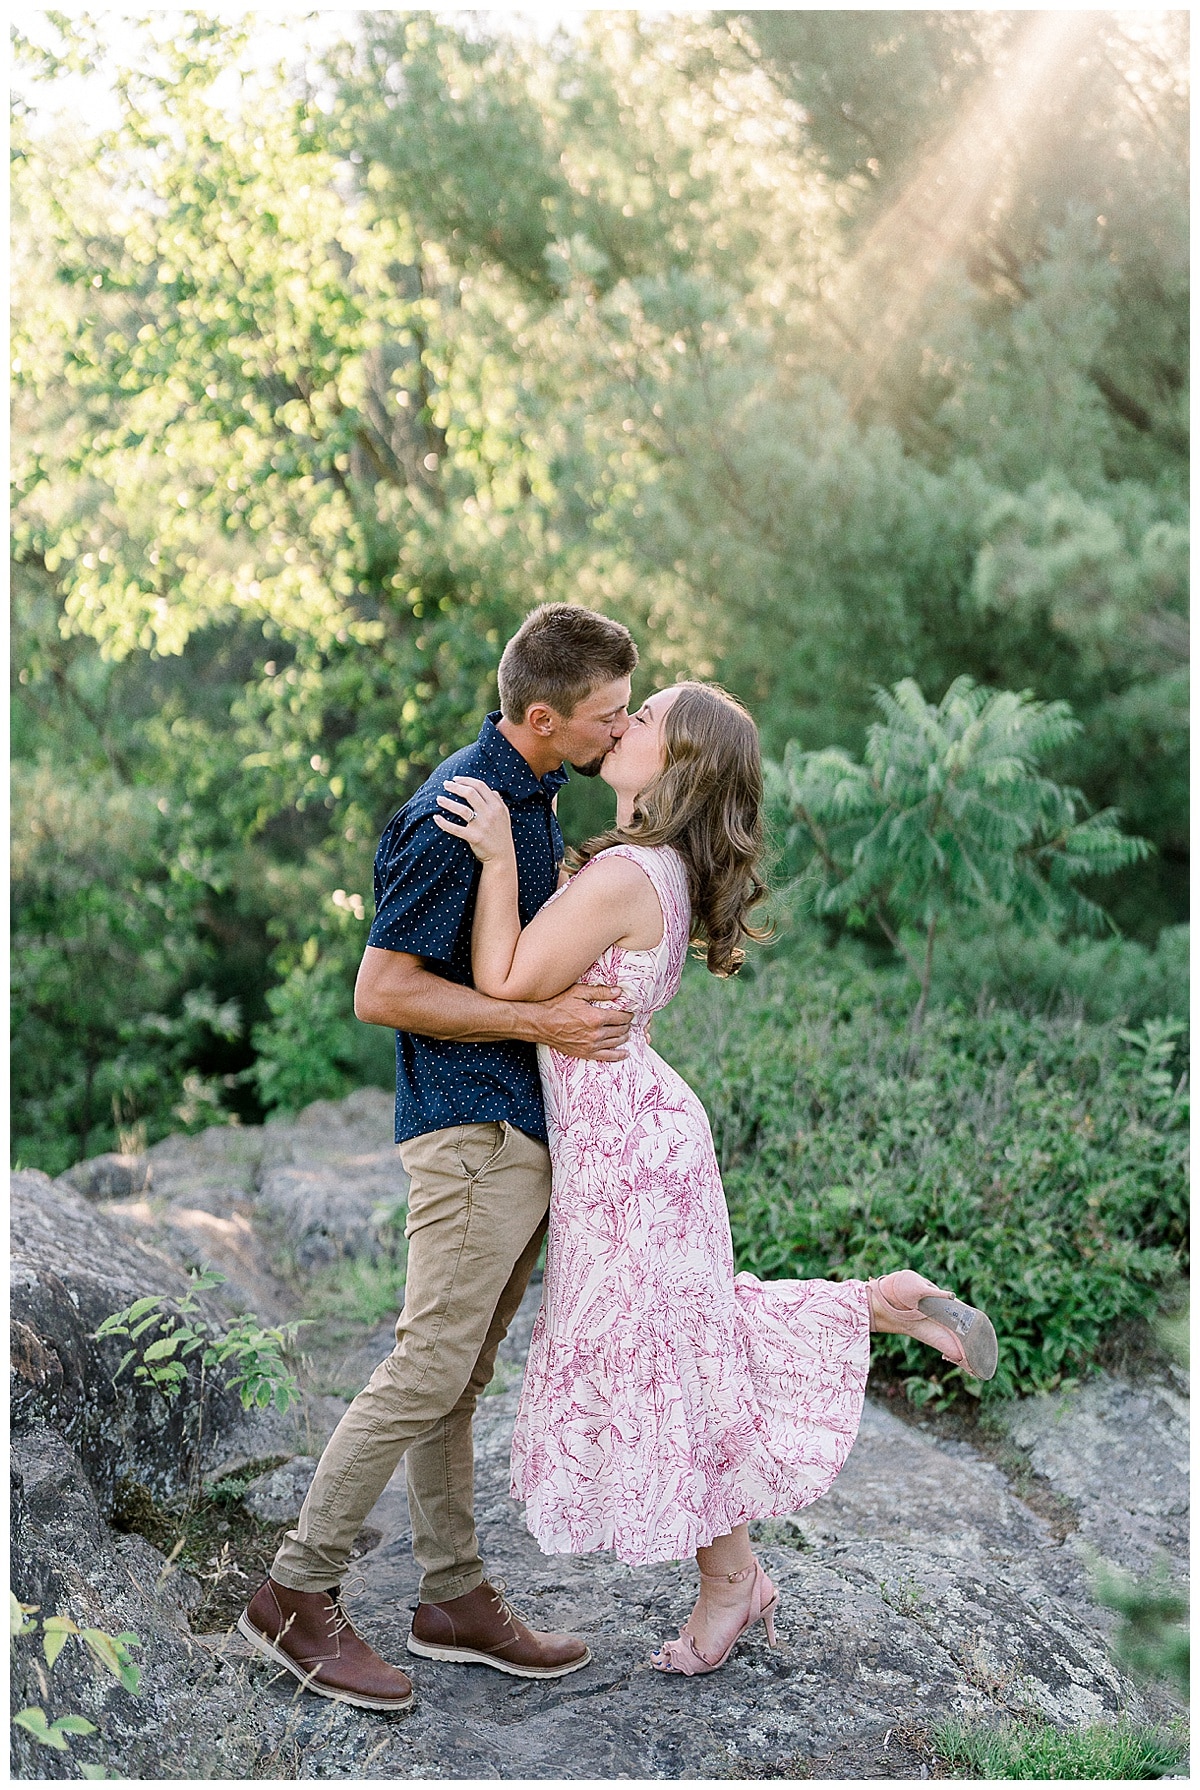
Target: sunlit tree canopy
{"points": [[826, 349]]}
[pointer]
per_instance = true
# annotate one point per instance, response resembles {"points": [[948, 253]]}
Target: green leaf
{"points": [[114, 1655], [75, 1724], [166, 1345], [112, 1326], [18, 1614], [207, 1277], [34, 1722], [140, 1307], [56, 1631]]}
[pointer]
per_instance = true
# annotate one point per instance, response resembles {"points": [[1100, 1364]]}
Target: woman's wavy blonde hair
{"points": [[707, 803]]}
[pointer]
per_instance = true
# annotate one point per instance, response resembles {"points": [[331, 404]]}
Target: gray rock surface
{"points": [[258, 1203], [70, 1268], [1120, 1454], [196, 1715], [331, 1179], [276, 1497], [920, 1586], [110, 1177]]}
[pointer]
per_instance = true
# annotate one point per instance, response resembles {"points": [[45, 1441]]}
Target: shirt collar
{"points": [[514, 776]]}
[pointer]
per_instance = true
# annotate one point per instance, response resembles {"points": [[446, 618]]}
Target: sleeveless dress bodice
{"points": [[666, 1398]]}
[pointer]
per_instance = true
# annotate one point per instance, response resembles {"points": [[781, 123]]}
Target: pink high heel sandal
{"points": [[915, 1306], [689, 1660]]}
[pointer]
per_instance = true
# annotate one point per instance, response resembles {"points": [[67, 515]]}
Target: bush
{"points": [[946, 816], [1034, 1164], [111, 1011], [1100, 979], [1152, 1641], [313, 1048]]}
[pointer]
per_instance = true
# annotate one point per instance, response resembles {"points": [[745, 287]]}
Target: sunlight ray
{"points": [[878, 295]]}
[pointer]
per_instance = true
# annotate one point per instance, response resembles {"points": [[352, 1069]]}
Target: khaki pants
{"points": [[477, 1209]]}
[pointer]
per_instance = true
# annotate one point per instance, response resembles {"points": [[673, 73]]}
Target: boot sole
{"points": [[278, 1657], [973, 1329], [467, 1656]]}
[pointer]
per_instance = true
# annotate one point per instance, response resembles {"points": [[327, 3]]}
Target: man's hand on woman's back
{"points": [[579, 1025], [396, 989]]}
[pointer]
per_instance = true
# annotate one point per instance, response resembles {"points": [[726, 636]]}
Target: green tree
{"points": [[1048, 361], [947, 812], [323, 380]]}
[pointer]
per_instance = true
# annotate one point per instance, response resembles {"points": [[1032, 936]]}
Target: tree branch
{"points": [[1136, 414], [894, 940]]}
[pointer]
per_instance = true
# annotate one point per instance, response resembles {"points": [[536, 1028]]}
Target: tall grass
{"points": [[1123, 1753]]}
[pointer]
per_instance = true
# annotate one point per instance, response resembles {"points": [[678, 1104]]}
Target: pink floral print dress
{"points": [[667, 1399]]}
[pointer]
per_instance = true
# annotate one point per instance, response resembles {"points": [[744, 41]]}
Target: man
{"points": [[472, 1138]]}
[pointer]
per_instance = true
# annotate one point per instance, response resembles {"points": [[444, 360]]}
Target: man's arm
{"points": [[395, 989]]}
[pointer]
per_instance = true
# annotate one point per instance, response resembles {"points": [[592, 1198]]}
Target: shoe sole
{"points": [[972, 1328], [262, 1644], [467, 1656]]}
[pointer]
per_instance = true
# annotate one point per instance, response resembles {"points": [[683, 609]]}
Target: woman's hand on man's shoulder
{"points": [[476, 813]]}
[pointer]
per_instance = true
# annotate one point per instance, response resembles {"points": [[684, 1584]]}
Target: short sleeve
{"points": [[424, 883]]}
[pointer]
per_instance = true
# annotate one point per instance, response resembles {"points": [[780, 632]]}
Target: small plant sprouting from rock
{"points": [[255, 1352], [112, 1651], [905, 1595], [260, 1374]]}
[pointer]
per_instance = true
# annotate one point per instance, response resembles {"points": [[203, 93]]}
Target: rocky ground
{"points": [[947, 1572]]}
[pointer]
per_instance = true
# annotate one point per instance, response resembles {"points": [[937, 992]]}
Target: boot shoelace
{"points": [[336, 1615], [504, 1607]]}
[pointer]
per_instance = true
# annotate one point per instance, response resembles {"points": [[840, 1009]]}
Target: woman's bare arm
{"points": [[612, 902]]}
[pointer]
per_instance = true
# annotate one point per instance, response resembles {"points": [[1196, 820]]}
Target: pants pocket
{"points": [[479, 1146]]}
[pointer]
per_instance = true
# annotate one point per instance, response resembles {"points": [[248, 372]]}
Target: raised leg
{"points": [[904, 1303]]}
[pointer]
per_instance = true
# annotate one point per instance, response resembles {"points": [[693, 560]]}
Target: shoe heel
{"points": [[974, 1330], [768, 1617]]}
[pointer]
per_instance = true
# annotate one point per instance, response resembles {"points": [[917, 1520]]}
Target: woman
{"points": [[668, 1402]]}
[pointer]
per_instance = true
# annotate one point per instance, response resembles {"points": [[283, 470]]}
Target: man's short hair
{"points": [[559, 655]]}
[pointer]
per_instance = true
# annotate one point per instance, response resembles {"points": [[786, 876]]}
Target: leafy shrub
{"points": [[1153, 1640], [312, 1047], [249, 1355], [109, 1011], [947, 814], [1034, 1164], [1111, 978]]}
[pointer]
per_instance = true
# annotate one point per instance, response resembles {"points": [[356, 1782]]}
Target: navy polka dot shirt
{"points": [[425, 886]]}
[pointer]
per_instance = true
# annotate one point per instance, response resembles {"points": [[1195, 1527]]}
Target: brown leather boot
{"points": [[309, 1634], [481, 1628]]}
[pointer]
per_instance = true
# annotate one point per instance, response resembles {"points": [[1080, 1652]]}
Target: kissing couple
{"points": [[667, 1401]]}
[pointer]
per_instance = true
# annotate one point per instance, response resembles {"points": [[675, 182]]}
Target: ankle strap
{"points": [[732, 1578]]}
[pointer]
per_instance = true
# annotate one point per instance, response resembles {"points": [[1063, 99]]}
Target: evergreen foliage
{"points": [[946, 814]]}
